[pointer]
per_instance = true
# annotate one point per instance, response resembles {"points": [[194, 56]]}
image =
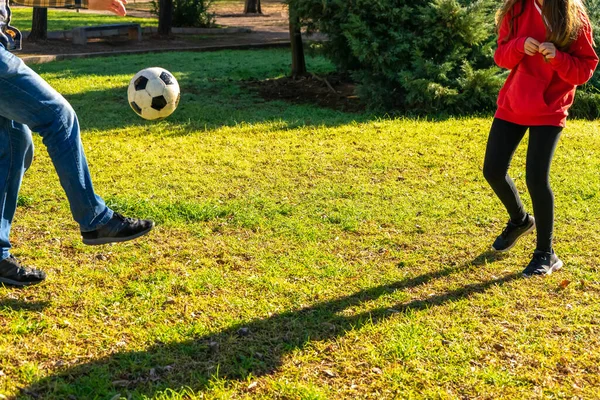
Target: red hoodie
{"points": [[539, 92]]}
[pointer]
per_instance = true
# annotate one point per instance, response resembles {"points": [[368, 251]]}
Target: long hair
{"points": [[565, 19]]}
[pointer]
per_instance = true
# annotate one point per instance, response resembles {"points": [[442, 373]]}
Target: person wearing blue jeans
{"points": [[28, 103]]}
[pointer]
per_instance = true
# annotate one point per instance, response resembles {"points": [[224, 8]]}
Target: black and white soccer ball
{"points": [[153, 93]]}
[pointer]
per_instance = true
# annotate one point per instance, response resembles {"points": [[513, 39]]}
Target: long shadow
{"points": [[20, 305], [213, 93], [255, 348], [108, 109]]}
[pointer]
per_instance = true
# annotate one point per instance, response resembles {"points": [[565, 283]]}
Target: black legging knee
{"points": [[502, 143]]}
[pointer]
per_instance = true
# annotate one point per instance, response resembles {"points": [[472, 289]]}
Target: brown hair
{"points": [[565, 19]]}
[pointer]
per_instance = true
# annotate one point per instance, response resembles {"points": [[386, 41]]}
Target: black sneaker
{"points": [[14, 274], [513, 232], [543, 263], [118, 229]]}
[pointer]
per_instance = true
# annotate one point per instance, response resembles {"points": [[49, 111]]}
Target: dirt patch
{"points": [[335, 91], [96, 45], [270, 27], [149, 43]]}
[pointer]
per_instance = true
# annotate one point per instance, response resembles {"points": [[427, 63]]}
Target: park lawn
{"points": [[59, 20], [299, 253]]}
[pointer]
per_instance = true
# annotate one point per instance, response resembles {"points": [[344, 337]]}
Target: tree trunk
{"points": [[39, 25], [165, 17], [252, 7], [298, 62]]}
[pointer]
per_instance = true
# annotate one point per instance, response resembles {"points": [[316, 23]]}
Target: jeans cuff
{"points": [[108, 214]]}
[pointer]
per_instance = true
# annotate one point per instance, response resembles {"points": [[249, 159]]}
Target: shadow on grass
{"points": [[254, 348], [213, 92], [108, 110], [20, 305]]}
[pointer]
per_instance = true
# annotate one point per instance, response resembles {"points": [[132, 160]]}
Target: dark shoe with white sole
{"points": [[118, 229], [512, 233], [14, 274], [543, 263]]}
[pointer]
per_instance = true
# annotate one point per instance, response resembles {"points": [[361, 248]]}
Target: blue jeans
{"points": [[28, 103]]}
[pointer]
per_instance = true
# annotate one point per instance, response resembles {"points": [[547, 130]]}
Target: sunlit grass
{"points": [[299, 253], [59, 20]]}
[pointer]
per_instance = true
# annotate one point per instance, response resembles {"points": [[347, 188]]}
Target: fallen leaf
{"points": [[252, 385], [498, 347], [376, 370], [329, 373], [565, 283], [122, 383]]}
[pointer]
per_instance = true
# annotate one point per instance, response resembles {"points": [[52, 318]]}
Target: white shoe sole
{"points": [[107, 240], [559, 264]]}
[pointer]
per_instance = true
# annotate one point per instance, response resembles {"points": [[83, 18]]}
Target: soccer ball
{"points": [[153, 93]]}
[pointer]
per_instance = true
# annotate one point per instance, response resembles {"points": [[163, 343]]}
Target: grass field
{"points": [[300, 253], [59, 20]]}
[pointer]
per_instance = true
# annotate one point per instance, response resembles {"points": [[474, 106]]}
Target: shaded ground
{"points": [[274, 18], [268, 28], [51, 47], [335, 91]]}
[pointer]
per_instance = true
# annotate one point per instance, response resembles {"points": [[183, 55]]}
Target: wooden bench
{"points": [[81, 34]]}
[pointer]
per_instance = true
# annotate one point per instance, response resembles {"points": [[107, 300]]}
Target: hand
{"points": [[548, 50], [115, 6], [531, 46]]}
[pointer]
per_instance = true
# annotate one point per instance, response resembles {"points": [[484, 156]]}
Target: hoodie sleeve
{"points": [[578, 64], [509, 52]]}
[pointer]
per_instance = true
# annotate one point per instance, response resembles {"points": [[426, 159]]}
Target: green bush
{"points": [[587, 103], [190, 13], [421, 56], [594, 10]]}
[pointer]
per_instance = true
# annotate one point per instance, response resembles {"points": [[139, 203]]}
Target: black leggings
{"points": [[502, 143]]}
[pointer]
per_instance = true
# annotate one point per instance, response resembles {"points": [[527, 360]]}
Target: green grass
{"points": [[59, 20], [352, 248]]}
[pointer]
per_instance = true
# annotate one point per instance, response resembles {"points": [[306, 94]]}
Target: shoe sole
{"points": [[99, 241], [527, 232], [17, 283], [552, 269]]}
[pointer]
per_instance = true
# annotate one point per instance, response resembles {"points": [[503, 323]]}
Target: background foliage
{"points": [[190, 13], [422, 56]]}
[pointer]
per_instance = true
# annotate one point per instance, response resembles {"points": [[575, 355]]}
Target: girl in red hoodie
{"points": [[548, 46]]}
